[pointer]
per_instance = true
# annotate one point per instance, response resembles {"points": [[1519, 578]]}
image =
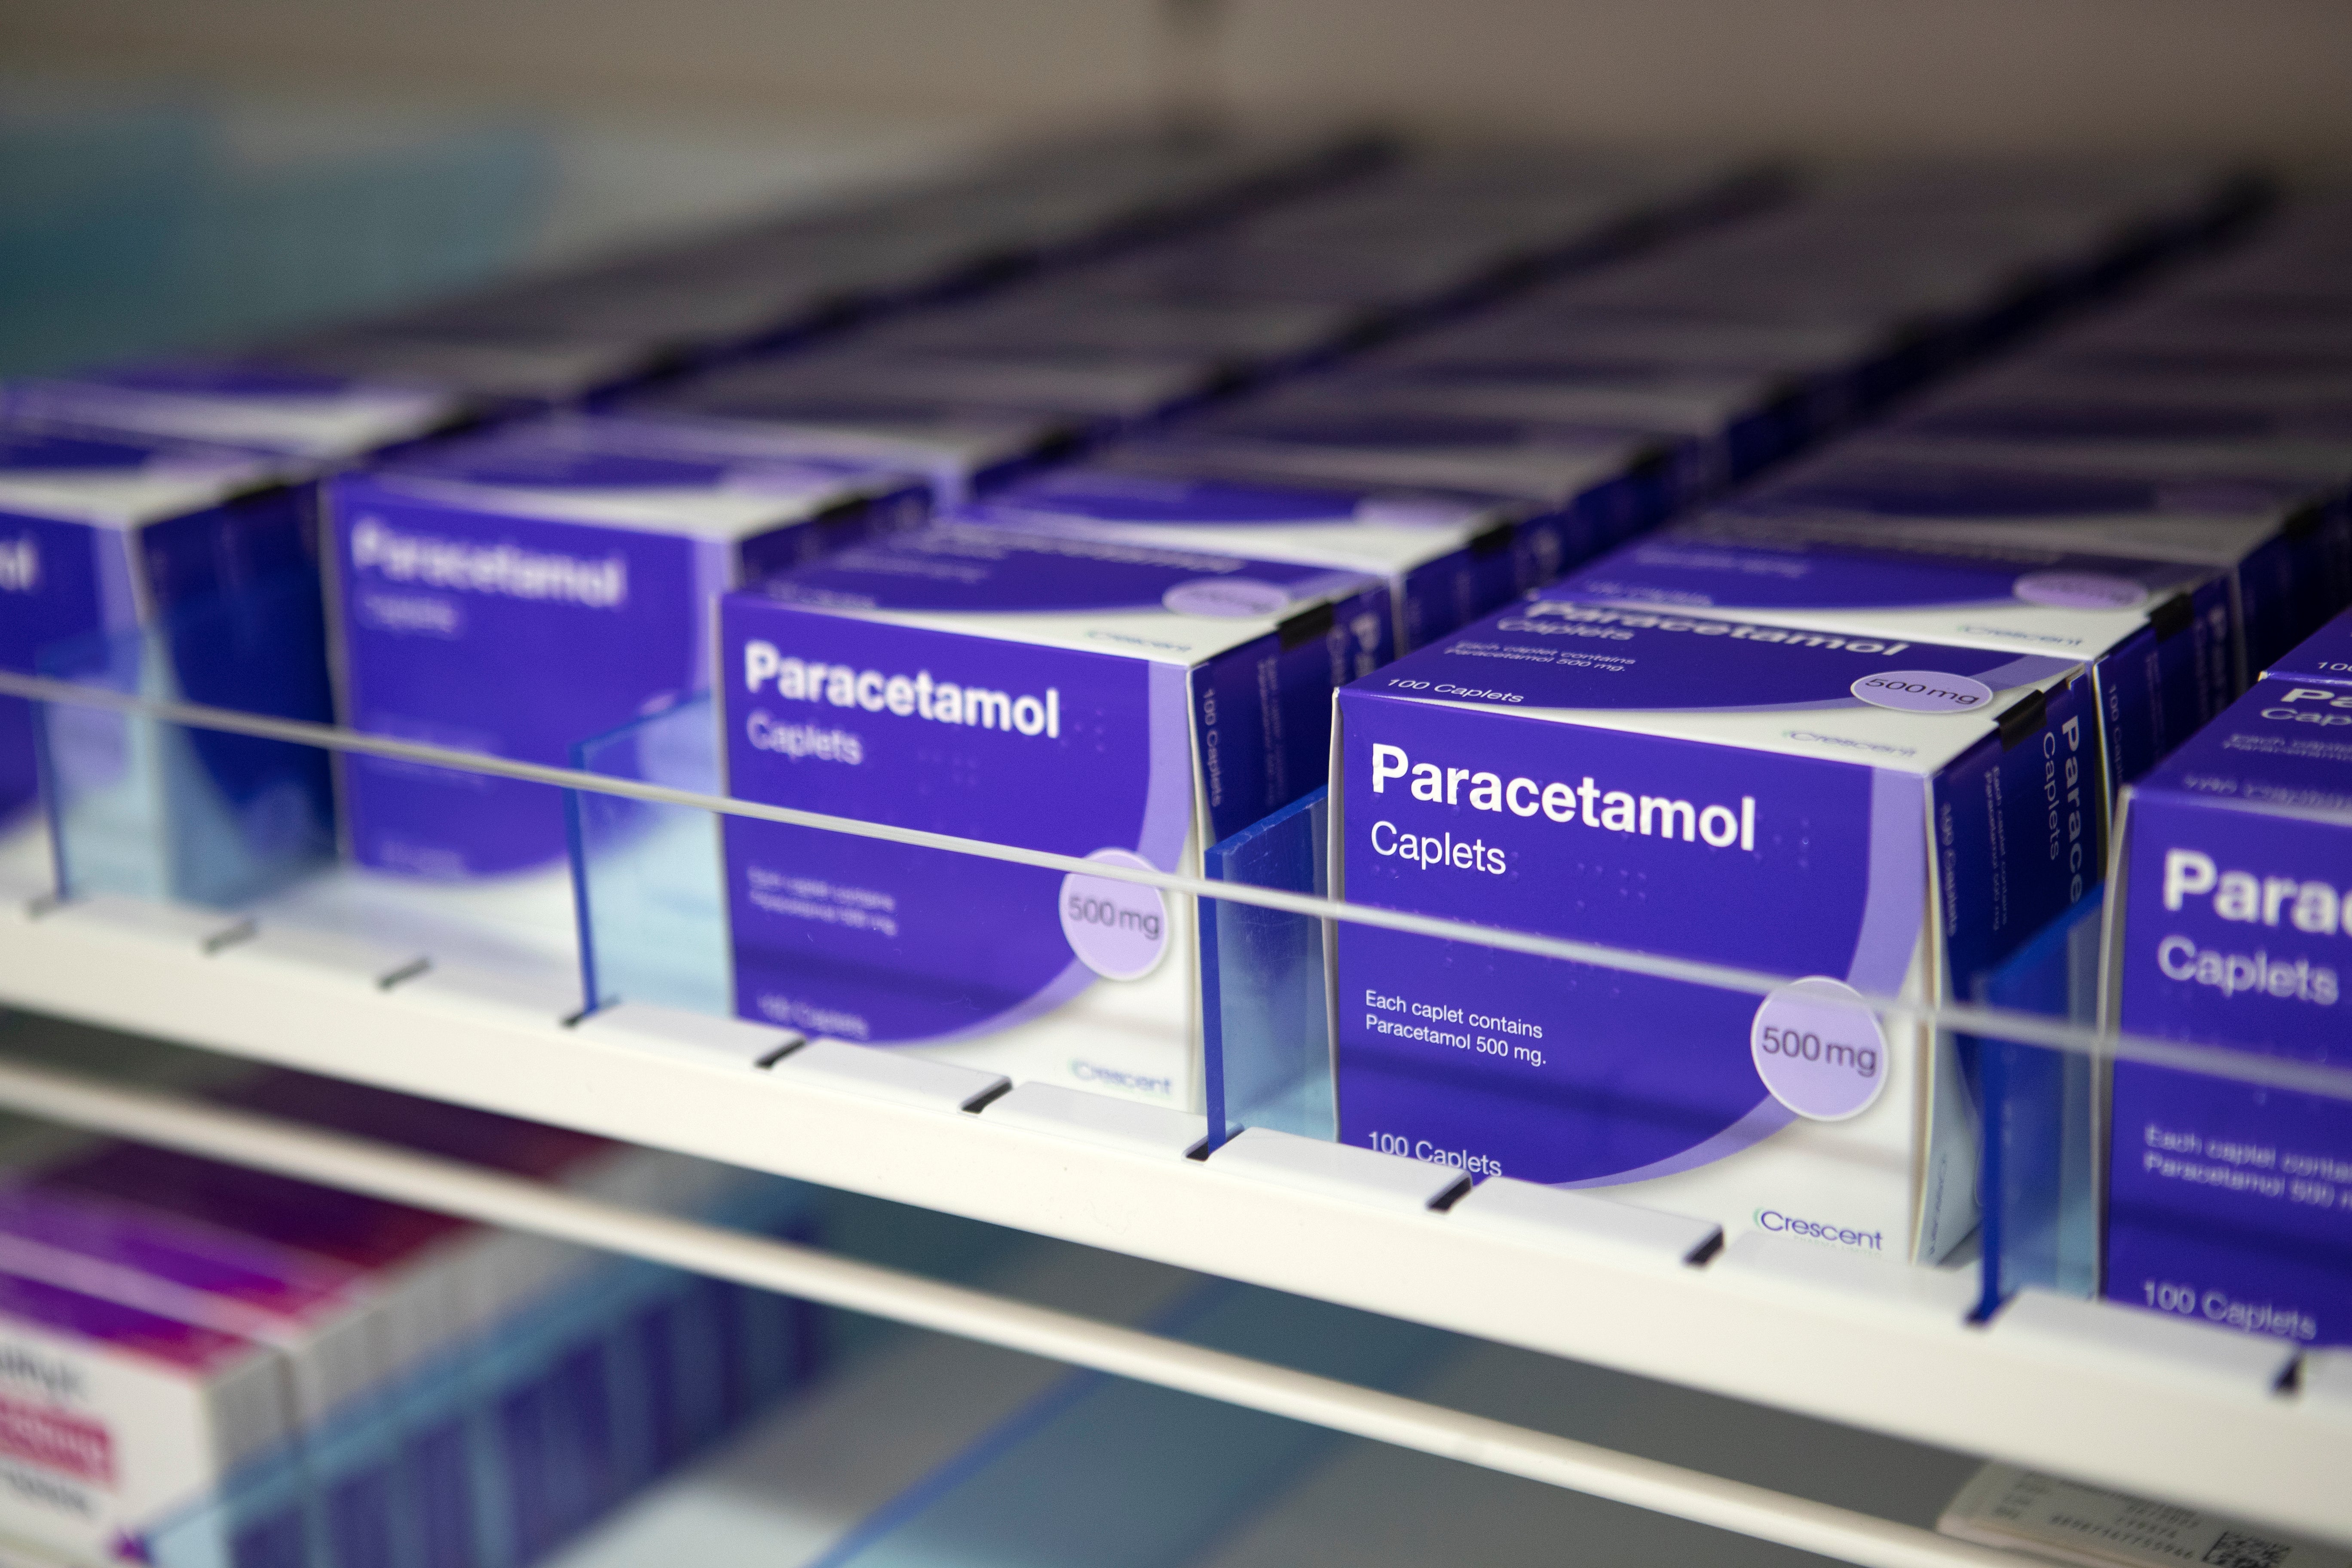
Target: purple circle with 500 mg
{"points": [[1923, 691], [1227, 598], [2080, 590], [1118, 930], [1818, 1049]]}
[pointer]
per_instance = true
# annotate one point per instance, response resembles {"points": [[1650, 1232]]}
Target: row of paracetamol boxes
{"points": [[206, 1364], [1484, 456], [1132, 657], [1920, 669], [1214, 576]]}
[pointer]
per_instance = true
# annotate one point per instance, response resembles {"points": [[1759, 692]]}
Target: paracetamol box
{"points": [[1446, 555], [362, 1406], [1725, 423], [1234, 332], [1746, 413], [1122, 701], [257, 406], [1580, 488], [507, 371], [342, 1286], [2225, 1199], [102, 535], [2169, 426], [959, 447], [2325, 656], [1526, 341], [114, 1415], [2282, 542], [523, 590], [1096, 390], [1861, 814], [2155, 635], [2201, 396]]}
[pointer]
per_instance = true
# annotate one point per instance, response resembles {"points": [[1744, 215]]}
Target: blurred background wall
{"points": [[2262, 76]]}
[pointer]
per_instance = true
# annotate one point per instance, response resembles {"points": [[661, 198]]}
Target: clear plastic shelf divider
{"points": [[652, 901]]}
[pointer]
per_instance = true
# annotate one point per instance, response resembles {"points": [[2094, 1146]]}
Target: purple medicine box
{"points": [[516, 592], [2226, 1200], [1122, 701], [1446, 555], [1865, 815], [106, 534], [2156, 634]]}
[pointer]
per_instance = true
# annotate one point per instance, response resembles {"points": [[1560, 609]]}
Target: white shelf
{"points": [[2175, 1411]]}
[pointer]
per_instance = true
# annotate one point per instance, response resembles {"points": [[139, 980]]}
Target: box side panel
{"points": [[60, 583]]}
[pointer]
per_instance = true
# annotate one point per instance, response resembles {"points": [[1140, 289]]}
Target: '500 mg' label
{"points": [[1818, 1049]]}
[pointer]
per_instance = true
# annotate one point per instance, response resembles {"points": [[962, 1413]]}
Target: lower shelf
{"points": [[935, 1452], [2159, 1407]]}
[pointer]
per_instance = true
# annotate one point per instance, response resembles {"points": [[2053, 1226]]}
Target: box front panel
{"points": [[510, 635], [1557, 1072], [1048, 749], [2228, 1202]]}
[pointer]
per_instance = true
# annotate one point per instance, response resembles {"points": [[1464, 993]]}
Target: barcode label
{"points": [[2020, 1510], [2239, 1549]]}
